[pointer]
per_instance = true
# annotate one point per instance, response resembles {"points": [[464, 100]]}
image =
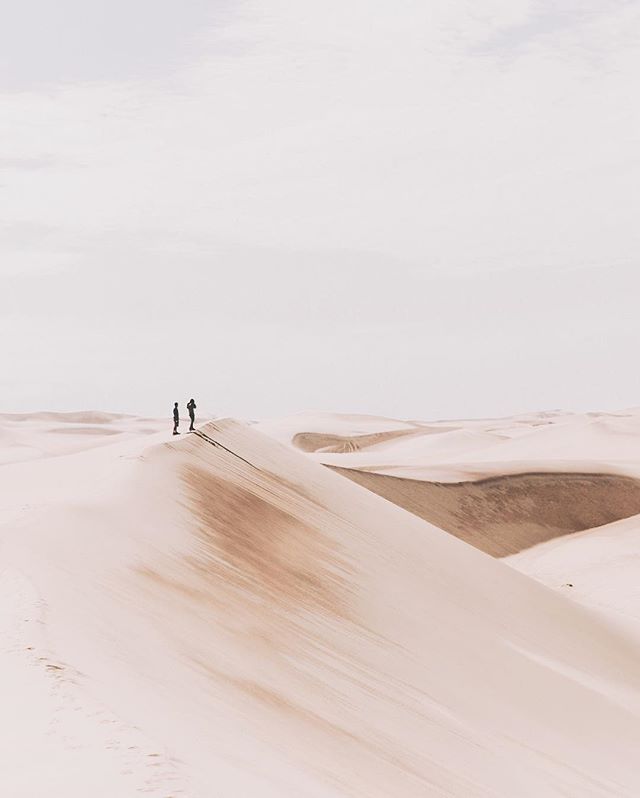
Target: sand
{"points": [[600, 568], [458, 450], [220, 614], [560, 488], [504, 515]]}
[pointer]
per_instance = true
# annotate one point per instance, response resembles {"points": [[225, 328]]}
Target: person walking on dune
{"points": [[191, 407], [176, 418]]}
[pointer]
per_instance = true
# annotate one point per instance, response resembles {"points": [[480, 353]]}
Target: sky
{"points": [[421, 210]]}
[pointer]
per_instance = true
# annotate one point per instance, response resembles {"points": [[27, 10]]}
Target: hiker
{"points": [[176, 418], [191, 407]]}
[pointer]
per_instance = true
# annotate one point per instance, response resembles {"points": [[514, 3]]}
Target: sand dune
{"points": [[547, 485], [502, 485], [31, 436], [83, 430], [506, 514], [276, 630], [344, 425], [326, 442], [600, 568], [491, 447], [479, 448], [75, 417]]}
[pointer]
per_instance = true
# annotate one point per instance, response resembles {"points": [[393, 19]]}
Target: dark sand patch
{"points": [[505, 514]]}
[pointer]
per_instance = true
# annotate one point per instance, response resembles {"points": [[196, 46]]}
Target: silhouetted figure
{"points": [[191, 407], [176, 418]]}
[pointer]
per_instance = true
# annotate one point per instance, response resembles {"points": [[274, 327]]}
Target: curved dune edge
{"points": [[507, 514], [338, 444]]}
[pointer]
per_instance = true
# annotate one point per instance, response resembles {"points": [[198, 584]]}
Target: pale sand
{"points": [[473, 449], [570, 472], [506, 514], [474, 480], [30, 436], [599, 568], [184, 620]]}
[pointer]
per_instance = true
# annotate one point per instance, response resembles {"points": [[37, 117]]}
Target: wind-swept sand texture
{"points": [[600, 452], [272, 629], [326, 442], [506, 514], [502, 485]]}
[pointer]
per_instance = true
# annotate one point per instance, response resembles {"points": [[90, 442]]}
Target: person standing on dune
{"points": [[191, 407], [176, 418]]}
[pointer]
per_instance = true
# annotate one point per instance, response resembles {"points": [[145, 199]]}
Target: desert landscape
{"points": [[289, 292], [323, 605]]}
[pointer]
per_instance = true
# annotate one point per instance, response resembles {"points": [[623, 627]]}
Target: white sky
{"points": [[422, 209]]}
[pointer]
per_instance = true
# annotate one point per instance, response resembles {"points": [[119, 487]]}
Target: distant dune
{"points": [[31, 436], [325, 442], [74, 417], [487, 496], [556, 493], [505, 514]]}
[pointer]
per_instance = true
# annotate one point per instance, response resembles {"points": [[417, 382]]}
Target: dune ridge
{"points": [[506, 514]]}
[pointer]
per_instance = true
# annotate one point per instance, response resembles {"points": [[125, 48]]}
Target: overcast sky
{"points": [[419, 209]]}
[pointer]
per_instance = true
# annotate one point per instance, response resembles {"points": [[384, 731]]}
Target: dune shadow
{"points": [[506, 514]]}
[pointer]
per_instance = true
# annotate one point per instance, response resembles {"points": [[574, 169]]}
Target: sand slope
{"points": [[508, 484], [279, 630], [503, 485], [599, 568], [507, 514]]}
